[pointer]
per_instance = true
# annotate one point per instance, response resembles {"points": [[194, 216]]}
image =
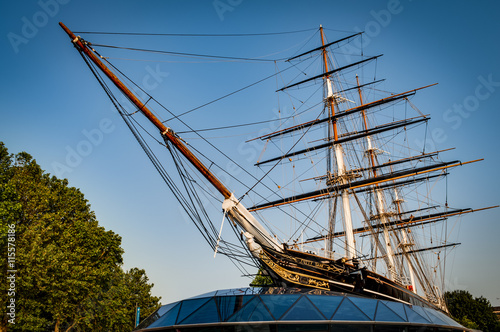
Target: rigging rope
{"points": [[278, 162], [225, 96], [195, 34], [188, 203], [188, 54]]}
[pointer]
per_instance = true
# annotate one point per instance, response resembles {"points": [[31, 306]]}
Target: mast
{"points": [[363, 184], [406, 243], [351, 136], [370, 151], [350, 246], [412, 221], [235, 210], [349, 111]]}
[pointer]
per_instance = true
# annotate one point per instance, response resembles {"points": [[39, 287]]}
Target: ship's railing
{"points": [[322, 252]]}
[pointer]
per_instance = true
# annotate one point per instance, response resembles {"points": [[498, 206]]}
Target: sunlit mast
{"points": [[382, 215], [341, 176]]}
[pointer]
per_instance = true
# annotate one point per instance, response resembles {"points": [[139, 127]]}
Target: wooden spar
{"points": [[387, 164], [349, 111], [398, 161], [165, 131], [365, 122], [420, 156], [409, 222], [327, 73], [324, 46], [360, 184], [313, 121], [418, 250], [331, 103], [350, 137]]}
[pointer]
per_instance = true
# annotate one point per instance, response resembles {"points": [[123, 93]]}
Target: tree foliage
{"points": [[474, 313], [114, 310], [262, 279], [68, 268]]}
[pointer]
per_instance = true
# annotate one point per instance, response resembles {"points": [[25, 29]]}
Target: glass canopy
{"points": [[293, 309]]}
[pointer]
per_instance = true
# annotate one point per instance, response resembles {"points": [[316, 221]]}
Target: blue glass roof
{"points": [[288, 306]]}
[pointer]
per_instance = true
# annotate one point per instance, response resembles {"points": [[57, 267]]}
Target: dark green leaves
{"points": [[474, 313], [69, 273]]}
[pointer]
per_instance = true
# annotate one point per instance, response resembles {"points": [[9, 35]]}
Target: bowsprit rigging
{"points": [[356, 205]]}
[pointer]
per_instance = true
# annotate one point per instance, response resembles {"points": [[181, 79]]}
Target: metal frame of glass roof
{"points": [[293, 309]]}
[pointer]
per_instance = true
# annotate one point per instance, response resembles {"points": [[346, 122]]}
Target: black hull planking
{"points": [[296, 268]]}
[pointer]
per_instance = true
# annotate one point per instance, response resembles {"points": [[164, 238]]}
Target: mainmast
{"points": [[380, 204], [331, 100]]}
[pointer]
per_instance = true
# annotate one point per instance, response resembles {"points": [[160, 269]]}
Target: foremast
{"points": [[256, 235], [342, 176]]}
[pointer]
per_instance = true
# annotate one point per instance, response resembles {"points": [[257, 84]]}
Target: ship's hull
{"points": [[297, 268]]}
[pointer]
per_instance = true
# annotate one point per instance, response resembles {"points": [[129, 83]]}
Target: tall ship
{"points": [[343, 201]]}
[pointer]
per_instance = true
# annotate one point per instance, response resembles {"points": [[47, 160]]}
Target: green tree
{"points": [[66, 263], [115, 309], [474, 313], [262, 280]]}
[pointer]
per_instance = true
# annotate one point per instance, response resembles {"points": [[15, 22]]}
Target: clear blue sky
{"points": [[50, 102]]}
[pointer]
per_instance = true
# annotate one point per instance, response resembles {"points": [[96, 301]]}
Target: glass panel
{"points": [[167, 319], [387, 315], [413, 317], [303, 310], [434, 317], [397, 307], [447, 319], [237, 291], [325, 303], [253, 290], [421, 312], [254, 310], [165, 308], [189, 306], [206, 314], [366, 305], [238, 302], [227, 305], [348, 311], [156, 315], [209, 294], [278, 304], [146, 322]]}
